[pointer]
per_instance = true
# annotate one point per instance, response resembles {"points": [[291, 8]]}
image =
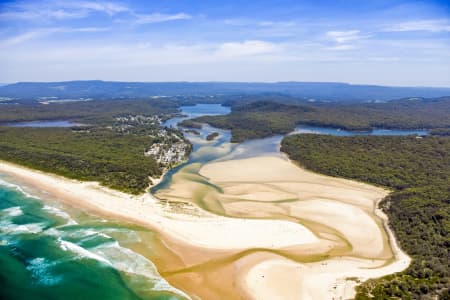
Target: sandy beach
{"points": [[320, 230], [348, 207], [196, 227]]}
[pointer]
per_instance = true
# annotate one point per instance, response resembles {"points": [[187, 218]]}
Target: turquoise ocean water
{"points": [[47, 253]]}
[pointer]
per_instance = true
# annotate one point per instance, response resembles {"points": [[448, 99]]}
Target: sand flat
{"points": [[206, 230], [346, 206], [320, 230]]}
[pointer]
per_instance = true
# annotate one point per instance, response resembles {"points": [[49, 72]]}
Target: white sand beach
{"points": [[346, 206], [200, 229], [281, 207]]}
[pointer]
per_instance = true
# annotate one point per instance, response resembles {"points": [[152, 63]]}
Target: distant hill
{"points": [[319, 91]]}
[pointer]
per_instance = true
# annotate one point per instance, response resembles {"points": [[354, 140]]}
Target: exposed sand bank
{"points": [[197, 227], [299, 235], [334, 209]]}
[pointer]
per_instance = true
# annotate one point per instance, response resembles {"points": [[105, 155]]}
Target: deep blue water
{"points": [[198, 110]]}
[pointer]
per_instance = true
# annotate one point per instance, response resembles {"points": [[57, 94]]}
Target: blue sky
{"points": [[377, 42]]}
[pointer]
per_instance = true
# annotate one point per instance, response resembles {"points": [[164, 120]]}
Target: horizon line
{"points": [[242, 82]]}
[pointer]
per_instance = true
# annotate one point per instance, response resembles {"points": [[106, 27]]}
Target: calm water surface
{"points": [[60, 123], [342, 132]]}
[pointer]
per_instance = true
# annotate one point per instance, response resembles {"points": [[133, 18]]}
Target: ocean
{"points": [[51, 252]]}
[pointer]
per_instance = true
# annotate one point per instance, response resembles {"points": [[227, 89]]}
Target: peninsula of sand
{"points": [[271, 230]]}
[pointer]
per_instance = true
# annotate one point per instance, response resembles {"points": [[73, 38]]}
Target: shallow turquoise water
{"points": [[45, 253]]}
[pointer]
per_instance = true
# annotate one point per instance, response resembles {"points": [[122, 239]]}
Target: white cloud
{"points": [[158, 18], [246, 48], [59, 10], [43, 14], [344, 36], [423, 25], [109, 8], [275, 24], [344, 40], [42, 32], [18, 39], [263, 23], [237, 60], [341, 47]]}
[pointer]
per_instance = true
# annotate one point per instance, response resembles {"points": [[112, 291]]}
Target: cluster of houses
{"points": [[168, 146]]}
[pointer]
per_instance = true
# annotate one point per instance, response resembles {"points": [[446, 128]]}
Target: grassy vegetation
{"points": [[418, 170], [263, 118]]}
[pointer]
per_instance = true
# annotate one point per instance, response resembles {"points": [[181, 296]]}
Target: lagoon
{"points": [[41, 124]]}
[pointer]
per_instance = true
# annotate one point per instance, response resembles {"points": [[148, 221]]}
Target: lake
{"points": [[56, 123], [341, 132]]}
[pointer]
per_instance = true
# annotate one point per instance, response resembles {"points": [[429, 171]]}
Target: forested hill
{"points": [[418, 171], [327, 91], [263, 118]]}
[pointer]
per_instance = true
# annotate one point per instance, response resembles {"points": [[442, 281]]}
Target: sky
{"points": [[384, 42]]}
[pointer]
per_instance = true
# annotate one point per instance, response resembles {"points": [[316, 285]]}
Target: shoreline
{"points": [[197, 230], [192, 226]]}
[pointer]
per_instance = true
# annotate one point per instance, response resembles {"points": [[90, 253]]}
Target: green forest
{"points": [[264, 118], [418, 171], [90, 112], [115, 160], [109, 150]]}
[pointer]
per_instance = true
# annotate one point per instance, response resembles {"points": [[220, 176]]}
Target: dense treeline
{"points": [[440, 131], [110, 150], [115, 160], [91, 112], [212, 136], [399, 114], [263, 118], [333, 91], [418, 171], [255, 120]]}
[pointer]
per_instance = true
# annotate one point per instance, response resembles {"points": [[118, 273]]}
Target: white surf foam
{"points": [[14, 211], [7, 227], [16, 187], [81, 252], [40, 271], [59, 213], [130, 262]]}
